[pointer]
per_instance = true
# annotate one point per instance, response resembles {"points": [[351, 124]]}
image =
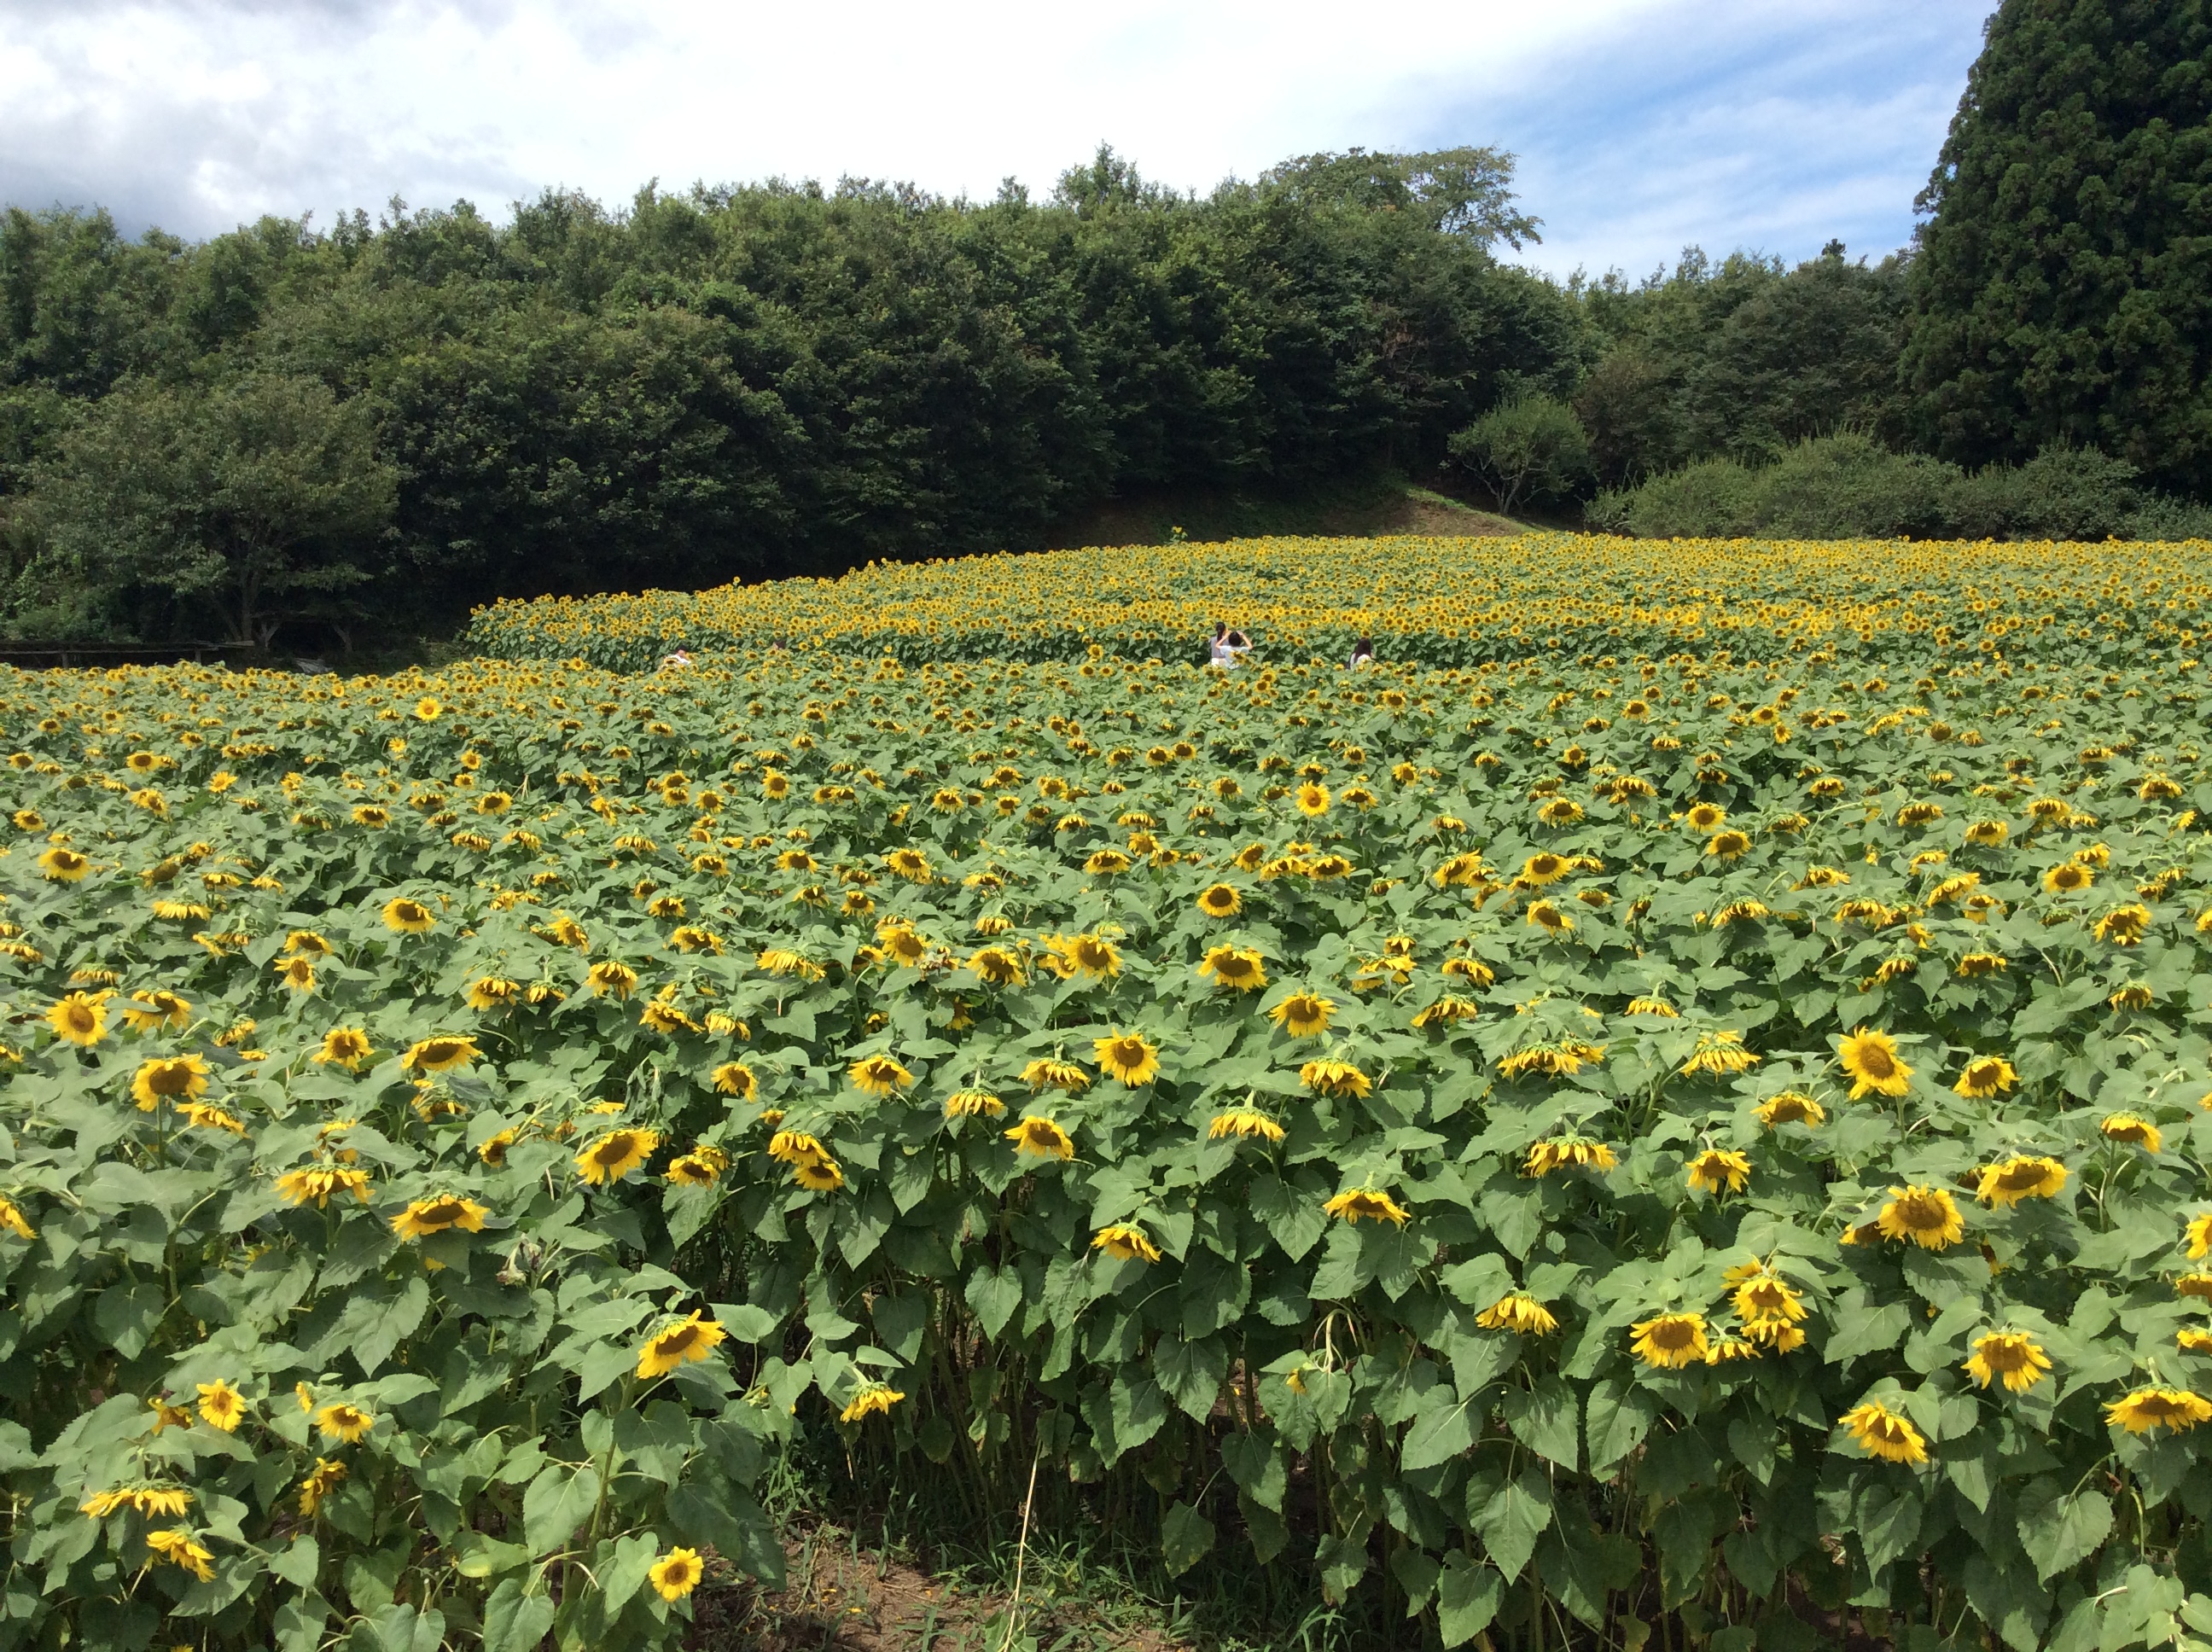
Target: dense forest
{"points": [[310, 432]]}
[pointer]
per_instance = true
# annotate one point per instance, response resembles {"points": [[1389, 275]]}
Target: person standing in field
{"points": [[1363, 652], [1226, 645]]}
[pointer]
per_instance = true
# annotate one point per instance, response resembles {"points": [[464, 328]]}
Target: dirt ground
{"points": [[841, 1595]]}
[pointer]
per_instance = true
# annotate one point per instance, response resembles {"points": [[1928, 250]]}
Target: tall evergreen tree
{"points": [[2062, 286]]}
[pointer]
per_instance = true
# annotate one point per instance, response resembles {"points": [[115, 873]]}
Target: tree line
{"points": [[309, 432]]}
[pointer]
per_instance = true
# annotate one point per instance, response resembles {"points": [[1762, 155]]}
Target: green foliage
{"points": [[1850, 486], [1464, 191], [1738, 360], [1531, 450], [2060, 288], [1582, 924], [253, 498], [748, 381]]}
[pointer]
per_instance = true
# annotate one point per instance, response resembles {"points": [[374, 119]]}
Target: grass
{"points": [[1382, 502]]}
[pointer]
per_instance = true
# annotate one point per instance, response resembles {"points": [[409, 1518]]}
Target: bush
{"points": [[1530, 451], [1848, 487]]}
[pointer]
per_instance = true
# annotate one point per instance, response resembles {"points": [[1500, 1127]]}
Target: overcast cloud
{"points": [[1642, 125]]}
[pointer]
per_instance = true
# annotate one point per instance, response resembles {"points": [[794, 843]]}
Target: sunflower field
{"points": [[1681, 1121], [1444, 602]]}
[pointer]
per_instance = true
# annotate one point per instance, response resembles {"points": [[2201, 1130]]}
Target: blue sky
{"points": [[1642, 125]]}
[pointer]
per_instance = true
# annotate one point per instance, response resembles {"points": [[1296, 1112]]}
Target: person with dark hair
{"points": [[1363, 652], [680, 660], [1226, 645]]}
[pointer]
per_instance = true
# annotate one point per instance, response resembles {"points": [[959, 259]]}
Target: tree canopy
{"points": [[2062, 289]]}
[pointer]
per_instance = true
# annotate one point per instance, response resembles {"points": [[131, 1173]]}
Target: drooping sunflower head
{"points": [[404, 915], [1036, 1137], [1234, 968], [615, 1155]]}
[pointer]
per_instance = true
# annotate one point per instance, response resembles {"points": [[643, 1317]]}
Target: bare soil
{"points": [[840, 1596]]}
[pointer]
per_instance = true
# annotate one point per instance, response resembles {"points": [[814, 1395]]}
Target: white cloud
{"points": [[198, 116]]}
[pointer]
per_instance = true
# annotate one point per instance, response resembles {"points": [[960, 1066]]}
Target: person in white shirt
{"points": [[1226, 645], [1363, 654]]}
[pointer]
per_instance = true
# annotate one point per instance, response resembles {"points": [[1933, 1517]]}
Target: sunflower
{"points": [[1719, 1169], [1881, 1432], [1129, 1057], [2018, 1178], [615, 1155], [1791, 1107], [1092, 956], [874, 1401], [609, 977], [1520, 1312], [221, 1407], [1359, 1204], [1243, 1122], [441, 1052], [179, 1548], [325, 1479], [79, 1019], [344, 1047], [1984, 1077], [1763, 1301], [1926, 1215], [1668, 1342], [676, 1574], [1731, 845], [736, 1078], [2067, 877], [1123, 1242], [171, 1078], [819, 1176], [1543, 915], [147, 1012], [2142, 1410], [492, 993], [2190, 1341], [2197, 1235], [1720, 1054], [406, 916], [973, 1104], [681, 1344], [1040, 1137], [2133, 1130], [61, 865], [427, 710], [1869, 1060], [1050, 1072], [1313, 798], [1220, 901], [1568, 1153], [441, 1213], [878, 1075], [317, 1182], [296, 974], [1302, 1014], [2012, 1355], [1974, 965], [14, 1221], [1705, 817], [344, 1423], [2124, 925], [1234, 968], [910, 863], [1657, 1006], [1330, 1077], [997, 966]]}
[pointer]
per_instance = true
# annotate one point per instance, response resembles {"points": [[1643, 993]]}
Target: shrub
{"points": [[1530, 451]]}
